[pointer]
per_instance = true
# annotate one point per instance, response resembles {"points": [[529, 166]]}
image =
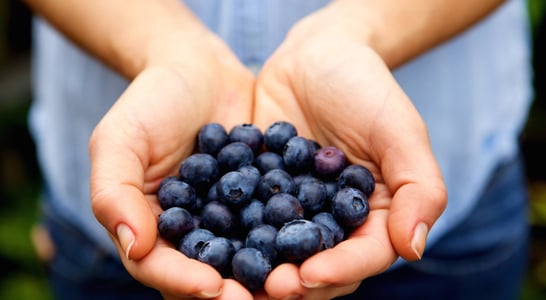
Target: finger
{"points": [[284, 282], [366, 252], [412, 174], [330, 292], [127, 154], [169, 271], [234, 290], [118, 202]]}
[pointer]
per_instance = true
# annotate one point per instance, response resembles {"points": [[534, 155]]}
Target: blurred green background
{"points": [[22, 276]]}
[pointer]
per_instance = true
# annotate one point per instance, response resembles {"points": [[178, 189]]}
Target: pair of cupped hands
{"points": [[333, 88]]}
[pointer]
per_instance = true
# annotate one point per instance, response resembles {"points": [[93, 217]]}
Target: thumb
{"points": [[117, 196], [413, 176]]}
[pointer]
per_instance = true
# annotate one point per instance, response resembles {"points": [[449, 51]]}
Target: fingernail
{"points": [[419, 239], [313, 285], [207, 294], [126, 238]]}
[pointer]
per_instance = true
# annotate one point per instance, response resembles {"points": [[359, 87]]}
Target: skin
{"points": [[339, 93]]}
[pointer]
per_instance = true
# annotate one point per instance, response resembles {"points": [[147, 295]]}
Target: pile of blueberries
{"points": [[248, 200]]}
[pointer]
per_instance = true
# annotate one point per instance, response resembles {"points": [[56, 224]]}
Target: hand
{"points": [[338, 91], [143, 139]]}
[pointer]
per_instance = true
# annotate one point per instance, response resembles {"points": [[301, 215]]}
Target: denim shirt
{"points": [[473, 93]]}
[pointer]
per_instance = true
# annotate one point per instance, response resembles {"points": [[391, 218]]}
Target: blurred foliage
{"points": [[536, 11]]}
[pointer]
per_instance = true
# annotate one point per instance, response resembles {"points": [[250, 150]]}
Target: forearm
{"points": [[126, 35], [401, 30]]}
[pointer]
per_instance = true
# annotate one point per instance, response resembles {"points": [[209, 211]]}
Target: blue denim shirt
{"points": [[473, 92]]}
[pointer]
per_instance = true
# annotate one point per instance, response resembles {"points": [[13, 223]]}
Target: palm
{"points": [[350, 100], [149, 130]]}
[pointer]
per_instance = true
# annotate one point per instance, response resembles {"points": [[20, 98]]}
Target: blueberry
{"points": [[329, 161], [174, 223], [233, 156], [326, 219], [357, 176], [166, 180], [327, 237], [198, 205], [282, 208], [331, 189], [235, 189], [298, 155], [196, 221], [297, 240], [350, 207], [194, 240], [299, 178], [248, 134], [251, 268], [274, 182], [312, 194], [262, 237], [211, 138], [277, 134], [267, 161], [200, 170], [252, 214], [176, 193], [315, 146], [237, 244], [217, 253], [252, 173], [219, 219], [212, 194]]}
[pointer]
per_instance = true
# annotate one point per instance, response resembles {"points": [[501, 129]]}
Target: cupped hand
{"points": [[338, 91], [142, 139]]}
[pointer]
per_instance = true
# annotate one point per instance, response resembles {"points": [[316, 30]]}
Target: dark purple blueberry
{"points": [[277, 134], [297, 240], [329, 161], [193, 241], [233, 156], [249, 134], [267, 161], [250, 268], [312, 195], [235, 189], [211, 138], [262, 237], [200, 170], [282, 208], [176, 193], [274, 182], [326, 219], [350, 207], [358, 177], [217, 253], [298, 155], [219, 219], [174, 223], [252, 214]]}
